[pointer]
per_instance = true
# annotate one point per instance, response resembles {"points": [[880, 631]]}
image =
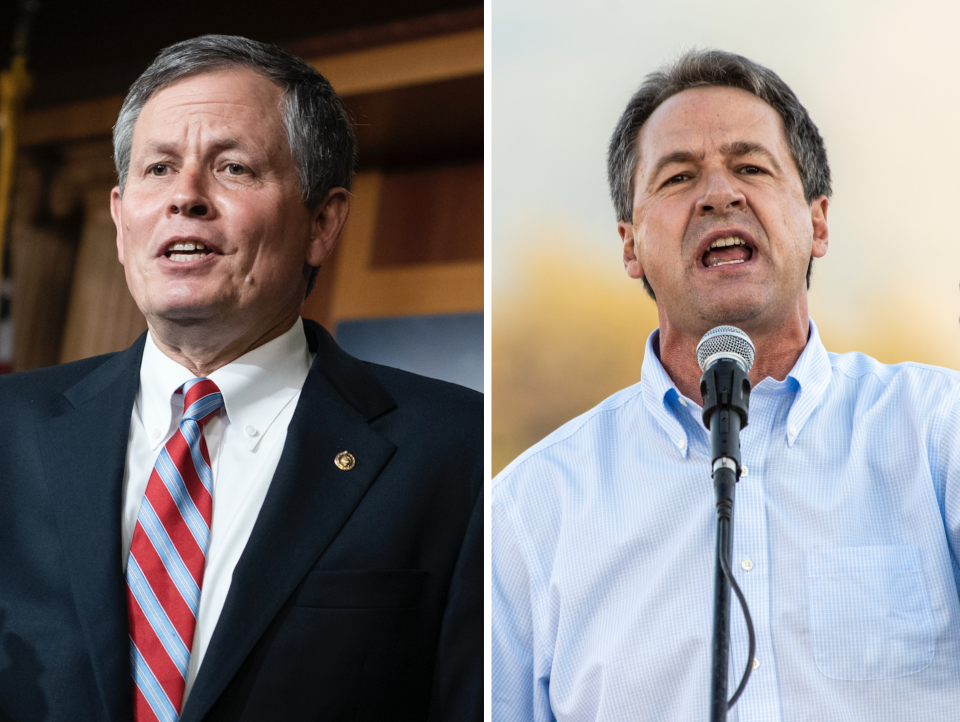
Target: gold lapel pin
{"points": [[345, 461]]}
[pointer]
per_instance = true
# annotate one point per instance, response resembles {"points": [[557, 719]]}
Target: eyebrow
{"points": [[736, 148], [165, 148], [677, 156], [746, 147]]}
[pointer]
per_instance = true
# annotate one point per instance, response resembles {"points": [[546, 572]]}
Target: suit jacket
{"points": [[359, 595]]}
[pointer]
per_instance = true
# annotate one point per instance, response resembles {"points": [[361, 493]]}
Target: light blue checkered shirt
{"points": [[845, 529]]}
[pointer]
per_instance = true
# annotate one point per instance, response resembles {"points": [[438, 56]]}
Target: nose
{"points": [[189, 196], [719, 194]]}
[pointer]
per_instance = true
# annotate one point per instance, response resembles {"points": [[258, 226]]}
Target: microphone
{"points": [[725, 355]]}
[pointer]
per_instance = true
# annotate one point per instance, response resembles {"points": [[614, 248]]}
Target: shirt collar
{"points": [[812, 373], [661, 397], [660, 394], [255, 387]]}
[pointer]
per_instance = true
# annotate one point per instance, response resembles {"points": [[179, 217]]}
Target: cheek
{"points": [[799, 227], [255, 218], [272, 243], [140, 215], [667, 216], [790, 214], [660, 225]]}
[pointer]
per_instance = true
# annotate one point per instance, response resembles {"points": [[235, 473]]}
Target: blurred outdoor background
{"points": [[878, 78]]}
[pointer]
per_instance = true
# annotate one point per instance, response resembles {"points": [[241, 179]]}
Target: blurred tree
{"points": [[572, 334]]}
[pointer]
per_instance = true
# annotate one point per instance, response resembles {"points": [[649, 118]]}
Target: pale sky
{"points": [[880, 79]]}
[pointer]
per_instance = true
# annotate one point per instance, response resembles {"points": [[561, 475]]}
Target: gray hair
{"points": [[319, 130], [706, 68]]}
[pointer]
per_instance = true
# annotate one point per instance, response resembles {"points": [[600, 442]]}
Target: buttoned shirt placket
{"points": [[776, 416]]}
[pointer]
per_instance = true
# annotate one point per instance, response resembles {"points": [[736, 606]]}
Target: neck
{"points": [[203, 351], [777, 353]]}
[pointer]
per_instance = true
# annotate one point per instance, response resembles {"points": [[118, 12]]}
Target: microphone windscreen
{"points": [[726, 342]]}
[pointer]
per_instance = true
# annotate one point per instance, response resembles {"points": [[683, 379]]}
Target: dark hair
{"points": [[319, 131], [706, 68]]}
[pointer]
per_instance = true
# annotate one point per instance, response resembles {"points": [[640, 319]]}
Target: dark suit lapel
{"points": [[309, 500], [84, 452]]}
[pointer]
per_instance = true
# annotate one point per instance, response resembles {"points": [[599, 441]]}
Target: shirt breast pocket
{"points": [[870, 612]]}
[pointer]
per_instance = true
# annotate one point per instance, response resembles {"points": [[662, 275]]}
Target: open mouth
{"points": [[726, 251], [186, 251]]}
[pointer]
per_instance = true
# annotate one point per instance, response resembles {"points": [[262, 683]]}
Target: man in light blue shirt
{"points": [[848, 511]]}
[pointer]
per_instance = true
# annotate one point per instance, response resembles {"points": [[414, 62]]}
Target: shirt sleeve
{"points": [[516, 691]]}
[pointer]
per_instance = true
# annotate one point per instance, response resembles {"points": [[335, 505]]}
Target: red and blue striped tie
{"points": [[167, 555]]}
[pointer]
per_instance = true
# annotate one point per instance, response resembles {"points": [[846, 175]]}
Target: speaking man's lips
{"points": [[184, 252], [186, 249], [726, 247], [724, 251]]}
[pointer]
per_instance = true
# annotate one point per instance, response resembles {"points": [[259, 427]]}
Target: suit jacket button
{"points": [[345, 461]]}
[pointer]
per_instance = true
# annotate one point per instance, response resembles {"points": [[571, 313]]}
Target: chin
{"points": [[186, 313], [730, 314], [188, 299], [733, 306]]}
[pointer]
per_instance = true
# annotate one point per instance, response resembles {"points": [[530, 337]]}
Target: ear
{"points": [[327, 221], [821, 236], [631, 258], [115, 212]]}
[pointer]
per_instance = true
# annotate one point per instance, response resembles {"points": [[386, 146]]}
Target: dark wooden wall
{"points": [[413, 244]]}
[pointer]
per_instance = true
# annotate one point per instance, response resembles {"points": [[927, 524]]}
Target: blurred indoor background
{"points": [[405, 285], [878, 78]]}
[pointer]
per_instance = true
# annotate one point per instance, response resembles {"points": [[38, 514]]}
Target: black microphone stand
{"points": [[725, 387]]}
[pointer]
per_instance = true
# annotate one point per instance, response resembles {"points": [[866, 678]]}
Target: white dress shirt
{"points": [[245, 439]]}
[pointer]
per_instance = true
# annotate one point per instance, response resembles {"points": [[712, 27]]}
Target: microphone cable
{"points": [[750, 633]]}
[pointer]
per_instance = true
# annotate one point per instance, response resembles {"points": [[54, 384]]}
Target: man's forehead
{"points": [[721, 116], [224, 97], [237, 87]]}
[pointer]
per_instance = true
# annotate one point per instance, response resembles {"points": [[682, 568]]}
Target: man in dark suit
{"points": [[340, 576]]}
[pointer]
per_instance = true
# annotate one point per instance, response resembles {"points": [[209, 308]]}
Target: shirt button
{"points": [[251, 431], [792, 431], [155, 433], [756, 663], [744, 471], [682, 444], [747, 565]]}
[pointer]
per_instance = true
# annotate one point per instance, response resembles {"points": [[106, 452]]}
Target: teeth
{"points": [[724, 263], [728, 241], [183, 256], [187, 247]]}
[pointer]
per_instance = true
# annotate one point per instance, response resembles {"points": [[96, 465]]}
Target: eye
{"points": [[751, 170], [236, 169], [678, 178], [159, 169]]}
